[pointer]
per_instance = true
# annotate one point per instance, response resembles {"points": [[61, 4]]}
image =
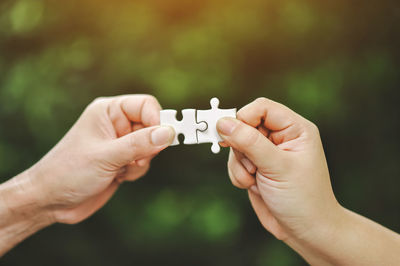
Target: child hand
{"points": [[278, 156]]}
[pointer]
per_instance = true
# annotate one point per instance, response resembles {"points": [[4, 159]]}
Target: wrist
{"points": [[26, 197], [314, 245], [21, 211]]}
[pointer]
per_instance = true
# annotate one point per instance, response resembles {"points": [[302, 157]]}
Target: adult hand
{"points": [[113, 141]]}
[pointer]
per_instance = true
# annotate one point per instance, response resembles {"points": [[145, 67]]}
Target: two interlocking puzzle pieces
{"points": [[198, 126]]}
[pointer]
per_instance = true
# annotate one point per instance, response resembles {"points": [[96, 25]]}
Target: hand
{"points": [[278, 156], [113, 141]]}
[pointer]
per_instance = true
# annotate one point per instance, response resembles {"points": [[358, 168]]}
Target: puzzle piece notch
{"points": [[211, 117], [188, 126]]}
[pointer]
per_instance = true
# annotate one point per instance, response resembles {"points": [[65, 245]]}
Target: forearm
{"points": [[350, 240], [20, 213]]}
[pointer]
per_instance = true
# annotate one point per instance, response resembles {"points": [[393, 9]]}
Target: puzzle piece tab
{"points": [[187, 126], [202, 129], [211, 117]]}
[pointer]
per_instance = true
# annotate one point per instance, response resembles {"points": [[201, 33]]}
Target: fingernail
{"points": [[248, 165], [162, 135], [254, 189], [226, 126]]}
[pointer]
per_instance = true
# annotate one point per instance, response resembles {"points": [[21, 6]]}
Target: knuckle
{"points": [[262, 100], [102, 98], [99, 100], [313, 128], [243, 113], [151, 103], [115, 100], [257, 106], [150, 98], [98, 103]]}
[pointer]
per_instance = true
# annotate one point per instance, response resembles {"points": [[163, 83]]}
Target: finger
{"points": [[118, 118], [272, 115], [138, 108], [249, 141], [103, 197], [255, 190], [265, 216], [234, 180], [139, 144], [143, 109], [137, 126], [223, 144], [248, 165], [263, 130], [127, 109], [133, 171], [144, 161], [285, 124], [239, 176]]}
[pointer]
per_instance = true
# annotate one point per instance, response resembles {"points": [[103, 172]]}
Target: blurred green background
{"points": [[336, 62]]}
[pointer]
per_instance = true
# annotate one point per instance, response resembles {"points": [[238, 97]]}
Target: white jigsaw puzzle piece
{"points": [[211, 117], [188, 126]]}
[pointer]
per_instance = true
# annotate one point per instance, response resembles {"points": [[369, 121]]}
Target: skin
{"points": [[278, 156], [113, 141]]}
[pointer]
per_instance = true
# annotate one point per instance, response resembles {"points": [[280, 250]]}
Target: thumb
{"points": [[140, 144], [249, 141]]}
